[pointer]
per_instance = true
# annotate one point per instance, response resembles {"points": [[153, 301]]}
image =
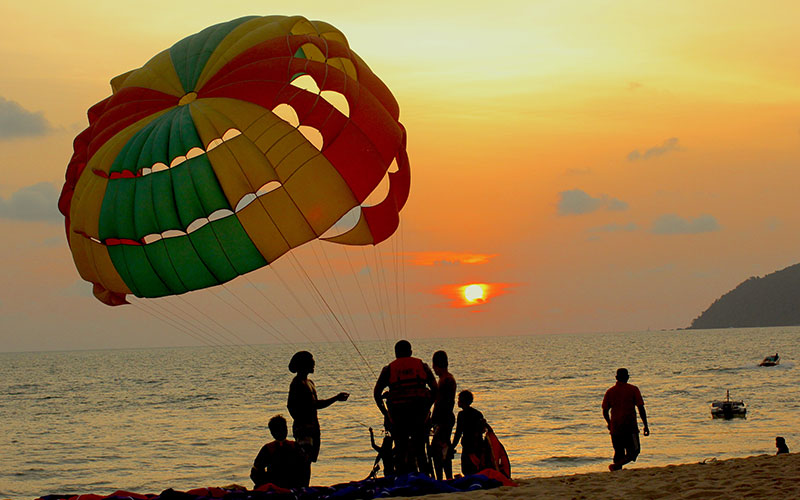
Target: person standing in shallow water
{"points": [[619, 409], [303, 405], [442, 418]]}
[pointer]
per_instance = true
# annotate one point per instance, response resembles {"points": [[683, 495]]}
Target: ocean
{"points": [[150, 419]]}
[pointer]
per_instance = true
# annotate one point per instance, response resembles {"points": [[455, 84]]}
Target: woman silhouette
{"points": [[303, 405]]}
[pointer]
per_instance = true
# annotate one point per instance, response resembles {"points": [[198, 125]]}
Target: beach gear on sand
{"points": [[406, 485]]}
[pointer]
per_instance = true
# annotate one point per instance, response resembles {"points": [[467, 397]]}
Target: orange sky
{"points": [[613, 166]]}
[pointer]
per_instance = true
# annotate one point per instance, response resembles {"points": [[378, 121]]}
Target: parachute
{"points": [[226, 151]]}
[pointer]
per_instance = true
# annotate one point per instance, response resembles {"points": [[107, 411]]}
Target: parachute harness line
{"points": [[235, 146]]}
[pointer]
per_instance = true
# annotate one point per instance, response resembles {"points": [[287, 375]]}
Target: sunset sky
{"points": [[598, 166]]}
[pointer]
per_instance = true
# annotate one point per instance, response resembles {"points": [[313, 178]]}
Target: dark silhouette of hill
{"points": [[773, 300]]}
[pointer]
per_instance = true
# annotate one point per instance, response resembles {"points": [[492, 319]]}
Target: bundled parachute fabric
{"points": [[400, 486]]}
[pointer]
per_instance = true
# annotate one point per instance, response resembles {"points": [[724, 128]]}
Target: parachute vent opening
{"points": [[287, 113], [312, 135], [378, 194], [196, 224], [220, 214], [268, 187], [307, 83], [337, 100], [394, 167], [346, 223]]}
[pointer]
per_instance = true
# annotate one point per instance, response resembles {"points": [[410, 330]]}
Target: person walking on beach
{"points": [[619, 409], [442, 418], [280, 462], [412, 390], [303, 405]]}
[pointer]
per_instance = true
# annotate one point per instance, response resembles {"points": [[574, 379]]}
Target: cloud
{"points": [[675, 224], [615, 228], [447, 258], [670, 144], [16, 121], [634, 85], [32, 203], [578, 202]]}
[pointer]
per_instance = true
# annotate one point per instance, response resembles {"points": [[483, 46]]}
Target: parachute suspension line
{"points": [[299, 302], [229, 337], [327, 305], [339, 295], [353, 272], [307, 313], [280, 336], [187, 329], [328, 314], [375, 290], [380, 289], [403, 317], [265, 325], [385, 287], [396, 267]]}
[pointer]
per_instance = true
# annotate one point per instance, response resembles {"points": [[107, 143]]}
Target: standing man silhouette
{"points": [[412, 390], [621, 402]]}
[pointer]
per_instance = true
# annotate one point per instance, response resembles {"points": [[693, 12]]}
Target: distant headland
{"points": [[772, 300]]}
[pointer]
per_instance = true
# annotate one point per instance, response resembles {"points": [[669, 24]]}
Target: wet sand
{"points": [[763, 476]]}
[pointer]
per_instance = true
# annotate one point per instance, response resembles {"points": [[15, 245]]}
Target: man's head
{"points": [[402, 349], [439, 362], [277, 427], [464, 399], [622, 374]]}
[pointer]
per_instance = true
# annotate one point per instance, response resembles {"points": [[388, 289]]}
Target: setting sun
{"points": [[474, 293]]}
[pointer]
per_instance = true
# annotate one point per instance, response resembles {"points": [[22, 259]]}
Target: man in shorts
{"points": [[619, 410]]}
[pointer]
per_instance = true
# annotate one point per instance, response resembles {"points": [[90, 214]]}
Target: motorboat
{"points": [[728, 409], [771, 360]]}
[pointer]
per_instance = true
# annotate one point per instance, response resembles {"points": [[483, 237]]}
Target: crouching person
{"points": [[280, 462]]}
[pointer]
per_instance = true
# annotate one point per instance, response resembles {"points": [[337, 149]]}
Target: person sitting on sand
{"points": [[470, 427], [442, 418], [780, 443], [280, 462], [621, 401]]}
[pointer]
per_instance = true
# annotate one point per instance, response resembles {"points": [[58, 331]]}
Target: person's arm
{"points": [[457, 436], [377, 393], [431, 381], [607, 417], [372, 441], [324, 403], [643, 414]]}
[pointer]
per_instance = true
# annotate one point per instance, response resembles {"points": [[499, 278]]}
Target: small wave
{"points": [[570, 460]]}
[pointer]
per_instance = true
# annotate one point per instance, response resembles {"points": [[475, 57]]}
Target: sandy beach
{"points": [[763, 476]]}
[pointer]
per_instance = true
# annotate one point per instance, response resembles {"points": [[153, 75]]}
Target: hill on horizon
{"points": [[771, 300]]}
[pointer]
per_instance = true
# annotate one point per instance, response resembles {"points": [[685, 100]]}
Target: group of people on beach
{"points": [[416, 437], [418, 420]]}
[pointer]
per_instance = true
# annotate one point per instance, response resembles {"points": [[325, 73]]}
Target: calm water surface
{"points": [[147, 420]]}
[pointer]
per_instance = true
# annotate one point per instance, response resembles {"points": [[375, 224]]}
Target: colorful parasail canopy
{"points": [[226, 151]]}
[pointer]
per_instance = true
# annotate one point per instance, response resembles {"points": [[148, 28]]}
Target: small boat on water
{"points": [[771, 360], [728, 409]]}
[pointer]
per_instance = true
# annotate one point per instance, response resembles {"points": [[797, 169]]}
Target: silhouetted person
{"points": [[621, 401], [442, 418], [412, 390], [470, 427], [385, 455], [280, 462], [780, 443], [303, 405]]}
